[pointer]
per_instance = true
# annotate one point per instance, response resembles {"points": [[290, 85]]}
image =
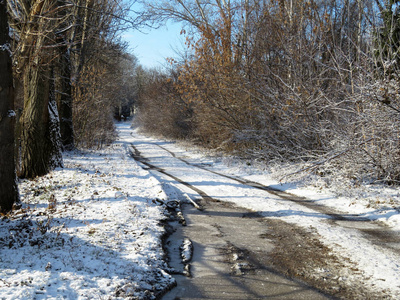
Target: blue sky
{"points": [[153, 46]]}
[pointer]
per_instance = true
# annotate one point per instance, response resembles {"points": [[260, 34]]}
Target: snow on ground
{"points": [[376, 202], [92, 229], [88, 231], [376, 267]]}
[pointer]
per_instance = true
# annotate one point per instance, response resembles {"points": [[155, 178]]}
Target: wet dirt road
{"points": [[230, 257], [240, 255]]}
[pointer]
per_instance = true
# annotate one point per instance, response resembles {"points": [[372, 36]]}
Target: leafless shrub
{"points": [[161, 109], [311, 82]]}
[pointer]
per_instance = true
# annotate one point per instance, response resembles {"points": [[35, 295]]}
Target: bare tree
{"points": [[95, 54], [35, 24], [62, 76], [8, 186], [291, 79], [57, 42]]}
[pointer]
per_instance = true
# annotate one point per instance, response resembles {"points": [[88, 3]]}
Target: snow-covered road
{"points": [[378, 267]]}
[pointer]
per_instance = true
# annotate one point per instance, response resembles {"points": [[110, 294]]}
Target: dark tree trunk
{"points": [[63, 97], [8, 185], [34, 121], [39, 141], [39, 147], [63, 83]]}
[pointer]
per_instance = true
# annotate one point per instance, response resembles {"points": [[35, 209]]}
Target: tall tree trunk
{"points": [[8, 185], [62, 84], [63, 97], [39, 153], [40, 147]]}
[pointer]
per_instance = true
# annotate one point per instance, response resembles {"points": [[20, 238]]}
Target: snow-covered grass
{"points": [[377, 202], [88, 231]]}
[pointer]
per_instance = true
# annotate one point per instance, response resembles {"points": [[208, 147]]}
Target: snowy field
{"points": [[93, 229], [88, 231]]}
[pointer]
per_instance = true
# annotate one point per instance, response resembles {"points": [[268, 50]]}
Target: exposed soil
{"points": [[230, 258], [298, 253]]}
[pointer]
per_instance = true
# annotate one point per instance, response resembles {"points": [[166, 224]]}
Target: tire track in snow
{"points": [[281, 194], [376, 233], [136, 155]]}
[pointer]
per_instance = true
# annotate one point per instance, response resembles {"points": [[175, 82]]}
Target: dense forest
{"points": [[65, 73], [313, 81]]}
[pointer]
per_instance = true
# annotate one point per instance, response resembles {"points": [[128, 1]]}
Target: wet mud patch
{"points": [[238, 259], [298, 253]]}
